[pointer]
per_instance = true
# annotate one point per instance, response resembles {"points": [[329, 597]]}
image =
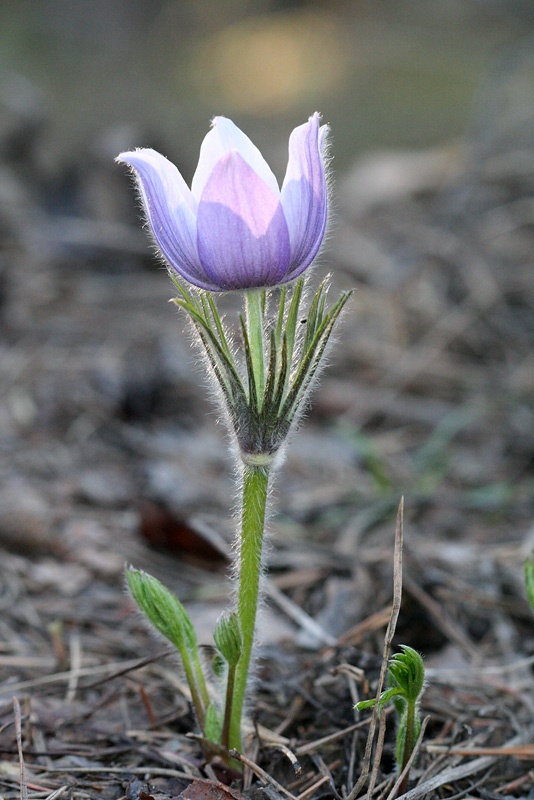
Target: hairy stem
{"points": [[198, 703], [199, 679], [225, 736], [255, 336], [409, 736], [255, 486]]}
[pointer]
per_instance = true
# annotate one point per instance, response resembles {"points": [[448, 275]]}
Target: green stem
{"points": [[255, 337], [225, 736], [193, 688], [255, 487], [408, 744], [199, 679]]}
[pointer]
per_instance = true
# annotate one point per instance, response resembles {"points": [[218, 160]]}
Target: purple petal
{"points": [[304, 194], [224, 137], [170, 209], [243, 239]]}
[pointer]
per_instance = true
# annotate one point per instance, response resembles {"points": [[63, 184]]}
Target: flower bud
{"points": [[162, 609], [228, 639]]}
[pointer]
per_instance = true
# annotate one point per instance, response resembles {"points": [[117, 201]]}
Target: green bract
{"points": [[228, 639], [264, 398]]}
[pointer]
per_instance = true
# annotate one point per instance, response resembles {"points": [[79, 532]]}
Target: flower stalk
{"points": [[228, 707], [255, 489]]}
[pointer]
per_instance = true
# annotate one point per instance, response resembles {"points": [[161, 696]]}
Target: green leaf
{"points": [[363, 704], [389, 694], [408, 670]]}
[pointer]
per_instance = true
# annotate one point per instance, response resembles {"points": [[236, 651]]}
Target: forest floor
{"points": [[112, 454]]}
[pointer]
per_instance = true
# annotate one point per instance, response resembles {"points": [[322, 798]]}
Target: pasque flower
{"points": [[235, 228]]}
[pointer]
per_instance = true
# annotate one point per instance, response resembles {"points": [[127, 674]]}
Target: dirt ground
{"points": [[112, 452]]}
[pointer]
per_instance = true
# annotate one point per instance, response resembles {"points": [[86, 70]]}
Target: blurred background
{"points": [[111, 448]]}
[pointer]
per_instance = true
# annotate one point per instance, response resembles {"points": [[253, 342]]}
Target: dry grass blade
{"points": [[57, 793], [332, 737], [117, 770], [390, 632], [326, 777], [291, 756], [326, 773], [518, 751], [297, 614], [60, 677]]}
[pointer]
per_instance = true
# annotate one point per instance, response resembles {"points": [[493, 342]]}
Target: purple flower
{"points": [[234, 228]]}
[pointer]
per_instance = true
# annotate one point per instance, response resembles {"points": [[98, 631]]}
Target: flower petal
{"points": [[304, 194], [243, 239], [225, 137], [170, 209]]}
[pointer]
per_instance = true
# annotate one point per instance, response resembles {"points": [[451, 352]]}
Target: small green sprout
{"points": [[406, 678], [529, 580]]}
